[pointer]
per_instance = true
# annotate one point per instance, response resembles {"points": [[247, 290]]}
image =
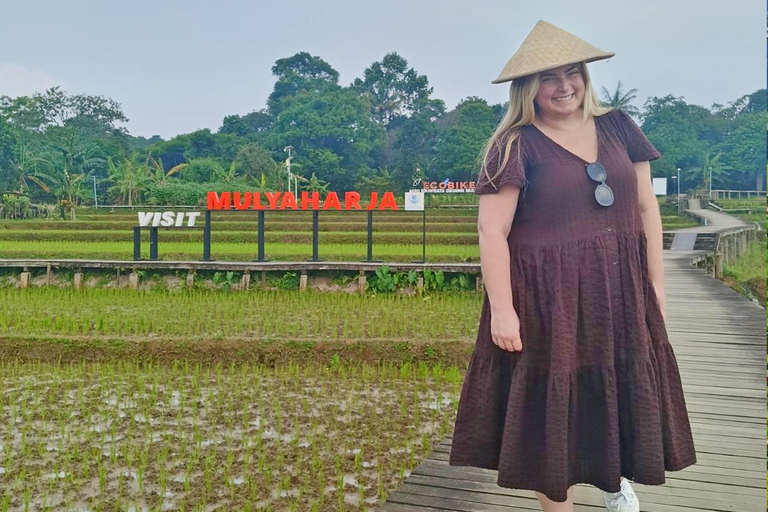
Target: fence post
{"points": [[153, 243], [361, 281], [370, 236], [207, 237], [315, 234], [136, 243], [261, 236]]}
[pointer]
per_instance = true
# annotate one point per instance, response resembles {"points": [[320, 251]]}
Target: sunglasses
{"points": [[603, 193]]}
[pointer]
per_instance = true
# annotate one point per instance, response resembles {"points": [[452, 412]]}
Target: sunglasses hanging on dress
{"points": [[603, 193]]}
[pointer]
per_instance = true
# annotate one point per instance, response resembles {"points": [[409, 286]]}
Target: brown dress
{"points": [[595, 393]]}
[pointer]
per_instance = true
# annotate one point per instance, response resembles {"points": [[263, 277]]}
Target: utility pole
{"points": [[95, 198], [288, 149]]}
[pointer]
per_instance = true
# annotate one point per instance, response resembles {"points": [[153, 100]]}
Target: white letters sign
{"points": [[167, 219]]}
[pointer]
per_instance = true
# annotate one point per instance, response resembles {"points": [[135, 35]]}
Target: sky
{"points": [[176, 67]]}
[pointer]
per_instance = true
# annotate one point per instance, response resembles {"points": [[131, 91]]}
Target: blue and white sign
{"points": [[414, 200]]}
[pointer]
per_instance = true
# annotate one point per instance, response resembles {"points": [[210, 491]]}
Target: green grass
{"points": [[234, 251], [749, 271], [262, 315]]}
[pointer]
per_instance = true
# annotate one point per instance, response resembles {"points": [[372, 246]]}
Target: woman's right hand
{"points": [[505, 330]]}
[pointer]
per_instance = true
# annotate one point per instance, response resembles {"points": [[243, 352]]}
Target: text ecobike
{"points": [[167, 219], [287, 200]]}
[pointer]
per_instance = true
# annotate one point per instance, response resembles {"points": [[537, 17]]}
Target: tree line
{"points": [[380, 132]]}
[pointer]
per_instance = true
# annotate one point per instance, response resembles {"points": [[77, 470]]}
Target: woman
{"points": [[573, 379]]}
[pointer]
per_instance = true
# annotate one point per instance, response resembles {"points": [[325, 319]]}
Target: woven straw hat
{"points": [[548, 47]]}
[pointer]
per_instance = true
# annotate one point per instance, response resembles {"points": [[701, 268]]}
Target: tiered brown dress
{"points": [[595, 393]]}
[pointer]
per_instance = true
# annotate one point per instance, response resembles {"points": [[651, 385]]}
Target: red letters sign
{"points": [[287, 200]]}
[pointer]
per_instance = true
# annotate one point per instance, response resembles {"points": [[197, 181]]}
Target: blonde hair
{"points": [[522, 111]]}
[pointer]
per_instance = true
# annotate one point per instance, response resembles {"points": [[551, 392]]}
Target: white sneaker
{"points": [[623, 501]]}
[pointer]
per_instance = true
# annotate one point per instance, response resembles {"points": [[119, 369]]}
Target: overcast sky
{"points": [[176, 67]]}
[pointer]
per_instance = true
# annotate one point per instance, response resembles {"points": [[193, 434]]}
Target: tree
{"points": [[746, 143], [131, 180], [394, 89], [381, 179], [460, 142], [200, 144], [249, 124], [331, 132], [222, 176], [747, 104], [25, 163], [157, 172], [202, 170], [72, 156], [414, 142], [711, 166], [681, 132], [252, 161], [55, 107], [300, 73], [314, 184], [621, 100]]}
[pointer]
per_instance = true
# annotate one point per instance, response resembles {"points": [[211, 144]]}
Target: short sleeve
{"points": [[513, 172], [639, 148]]}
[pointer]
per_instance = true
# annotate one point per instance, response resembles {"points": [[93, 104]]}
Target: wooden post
{"points": [[361, 282], [48, 274], [263, 278], [303, 281], [190, 278], [245, 281], [420, 283], [24, 278], [718, 266], [133, 280], [480, 284], [78, 280]]}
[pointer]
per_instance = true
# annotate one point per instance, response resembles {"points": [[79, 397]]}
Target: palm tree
{"points": [[621, 100], [72, 157], [313, 184], [381, 179], [219, 174], [24, 163], [711, 165], [130, 178]]}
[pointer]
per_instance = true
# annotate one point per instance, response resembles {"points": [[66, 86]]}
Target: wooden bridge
{"points": [[719, 338]]}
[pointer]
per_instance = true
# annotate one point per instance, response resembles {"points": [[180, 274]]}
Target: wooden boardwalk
{"points": [[719, 338]]}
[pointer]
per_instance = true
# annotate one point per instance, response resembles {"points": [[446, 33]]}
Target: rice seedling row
{"points": [[124, 436]]}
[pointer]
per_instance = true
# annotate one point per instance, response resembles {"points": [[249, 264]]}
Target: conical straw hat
{"points": [[548, 47]]}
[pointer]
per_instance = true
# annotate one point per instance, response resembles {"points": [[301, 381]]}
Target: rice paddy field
{"points": [[451, 236], [116, 400], [123, 436], [755, 207]]}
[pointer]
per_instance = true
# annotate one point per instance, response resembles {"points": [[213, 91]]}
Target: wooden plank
{"points": [[674, 479]]}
